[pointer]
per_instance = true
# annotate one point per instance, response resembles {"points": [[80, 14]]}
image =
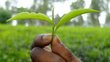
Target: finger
{"points": [[47, 48], [40, 55], [60, 49], [41, 40]]}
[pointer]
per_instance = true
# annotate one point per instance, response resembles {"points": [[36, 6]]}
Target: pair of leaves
{"points": [[40, 16]]}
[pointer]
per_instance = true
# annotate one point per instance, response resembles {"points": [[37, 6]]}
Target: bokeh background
{"points": [[87, 36]]}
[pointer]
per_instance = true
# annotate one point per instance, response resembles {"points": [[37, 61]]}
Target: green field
{"points": [[91, 44]]}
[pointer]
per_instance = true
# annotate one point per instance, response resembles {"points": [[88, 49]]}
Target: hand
{"points": [[41, 52]]}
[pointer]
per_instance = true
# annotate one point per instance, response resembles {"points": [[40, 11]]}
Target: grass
{"points": [[90, 44]]}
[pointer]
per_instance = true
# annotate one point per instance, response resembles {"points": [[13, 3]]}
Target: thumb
{"points": [[59, 49], [41, 41]]}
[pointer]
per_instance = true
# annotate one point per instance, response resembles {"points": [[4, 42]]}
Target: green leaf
{"points": [[73, 14], [27, 15]]}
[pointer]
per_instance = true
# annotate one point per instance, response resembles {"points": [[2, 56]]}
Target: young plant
{"points": [[39, 16]]}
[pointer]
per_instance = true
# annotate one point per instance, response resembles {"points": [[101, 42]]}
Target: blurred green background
{"points": [[90, 44], [87, 36]]}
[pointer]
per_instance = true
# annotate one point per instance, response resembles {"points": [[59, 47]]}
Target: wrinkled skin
{"points": [[40, 52]]}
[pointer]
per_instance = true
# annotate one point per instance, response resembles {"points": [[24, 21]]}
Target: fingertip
{"points": [[41, 40]]}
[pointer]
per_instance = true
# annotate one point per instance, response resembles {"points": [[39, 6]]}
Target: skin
{"points": [[57, 52]]}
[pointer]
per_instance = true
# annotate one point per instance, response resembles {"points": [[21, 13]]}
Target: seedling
{"points": [[42, 17]]}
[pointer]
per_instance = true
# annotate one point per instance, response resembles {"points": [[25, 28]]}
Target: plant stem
{"points": [[53, 32], [53, 28]]}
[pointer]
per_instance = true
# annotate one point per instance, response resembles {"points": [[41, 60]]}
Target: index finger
{"points": [[59, 49]]}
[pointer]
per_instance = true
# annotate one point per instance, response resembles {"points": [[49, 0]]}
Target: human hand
{"points": [[41, 52]]}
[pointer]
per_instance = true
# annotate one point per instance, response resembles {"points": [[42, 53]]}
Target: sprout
{"points": [[42, 17]]}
